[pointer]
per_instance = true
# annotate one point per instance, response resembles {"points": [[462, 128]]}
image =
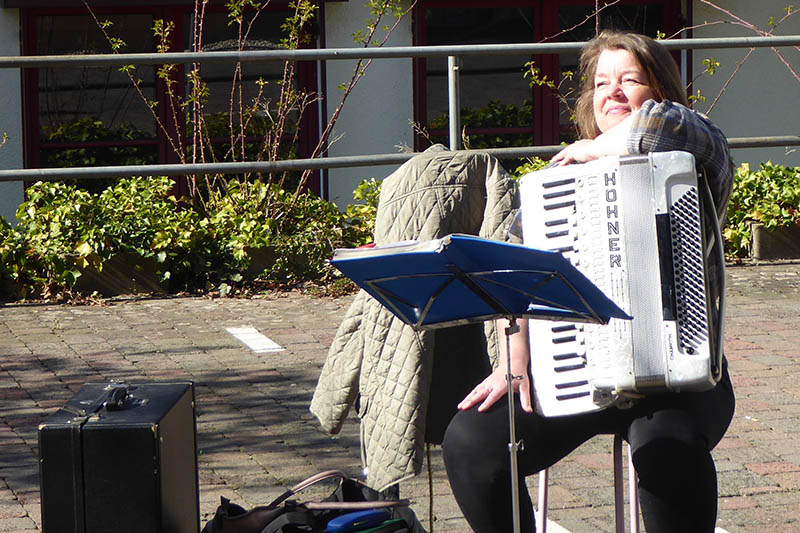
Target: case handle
{"points": [[115, 400]]}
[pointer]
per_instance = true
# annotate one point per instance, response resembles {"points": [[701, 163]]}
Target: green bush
{"points": [[58, 234], [529, 165], [83, 132], [64, 230], [769, 195], [359, 222]]}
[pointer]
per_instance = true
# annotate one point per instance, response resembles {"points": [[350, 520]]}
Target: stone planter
{"points": [[782, 243], [122, 274]]}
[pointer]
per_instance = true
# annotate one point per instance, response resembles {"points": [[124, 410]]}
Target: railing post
{"points": [[454, 102]]}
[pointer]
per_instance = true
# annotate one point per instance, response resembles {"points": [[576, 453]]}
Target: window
{"points": [[263, 78], [95, 116], [642, 17], [498, 106], [495, 98], [89, 116]]}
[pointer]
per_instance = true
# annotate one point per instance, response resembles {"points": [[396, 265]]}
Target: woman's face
{"points": [[620, 88]]}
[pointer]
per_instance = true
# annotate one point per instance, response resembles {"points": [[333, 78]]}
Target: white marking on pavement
{"points": [[552, 527], [254, 340]]}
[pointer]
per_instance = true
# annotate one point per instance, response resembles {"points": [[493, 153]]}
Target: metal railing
{"points": [[452, 52]]}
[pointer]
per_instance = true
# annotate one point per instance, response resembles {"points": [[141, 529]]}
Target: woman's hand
{"points": [[577, 152], [495, 387]]}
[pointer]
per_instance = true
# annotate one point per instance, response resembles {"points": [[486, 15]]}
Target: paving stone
{"points": [[256, 436]]}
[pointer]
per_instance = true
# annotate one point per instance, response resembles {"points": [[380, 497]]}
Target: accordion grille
{"points": [[692, 316]]}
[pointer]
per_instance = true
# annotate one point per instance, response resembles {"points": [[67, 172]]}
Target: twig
{"points": [[729, 80], [590, 16], [133, 80], [358, 73]]}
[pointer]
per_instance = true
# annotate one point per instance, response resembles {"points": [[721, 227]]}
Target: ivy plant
{"points": [[64, 230], [769, 196]]}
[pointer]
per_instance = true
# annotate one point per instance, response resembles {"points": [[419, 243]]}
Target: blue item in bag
{"points": [[358, 520]]}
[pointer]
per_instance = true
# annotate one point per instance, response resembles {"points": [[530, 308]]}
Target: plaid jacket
{"points": [[665, 126]]}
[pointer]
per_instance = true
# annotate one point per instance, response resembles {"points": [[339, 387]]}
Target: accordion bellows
{"points": [[634, 226]]}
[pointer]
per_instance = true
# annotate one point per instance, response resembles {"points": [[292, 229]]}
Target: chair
{"points": [[619, 496]]}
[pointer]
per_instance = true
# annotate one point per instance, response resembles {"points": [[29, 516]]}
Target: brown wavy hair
{"points": [[662, 73]]}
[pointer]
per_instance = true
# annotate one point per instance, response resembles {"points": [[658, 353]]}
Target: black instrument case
{"points": [[121, 458]]}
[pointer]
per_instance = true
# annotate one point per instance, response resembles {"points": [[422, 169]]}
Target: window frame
{"points": [[175, 11], [546, 128]]}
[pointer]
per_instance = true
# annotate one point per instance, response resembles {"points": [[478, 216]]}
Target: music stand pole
{"points": [[513, 445]]}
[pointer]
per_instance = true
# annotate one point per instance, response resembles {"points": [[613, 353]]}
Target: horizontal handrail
{"points": [[241, 167], [244, 167], [327, 54]]}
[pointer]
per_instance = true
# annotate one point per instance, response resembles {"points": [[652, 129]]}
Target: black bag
{"points": [[290, 516]]}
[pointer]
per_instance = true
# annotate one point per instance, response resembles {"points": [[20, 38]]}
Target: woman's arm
{"points": [[611, 142], [662, 127]]}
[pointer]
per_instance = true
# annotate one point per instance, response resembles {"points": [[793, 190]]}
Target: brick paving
{"points": [[256, 436]]}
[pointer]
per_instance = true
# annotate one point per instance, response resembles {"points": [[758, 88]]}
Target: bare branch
{"points": [[589, 17], [740, 21], [730, 79], [135, 83]]}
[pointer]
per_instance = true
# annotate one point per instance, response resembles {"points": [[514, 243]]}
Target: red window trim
{"points": [[546, 126], [33, 145]]}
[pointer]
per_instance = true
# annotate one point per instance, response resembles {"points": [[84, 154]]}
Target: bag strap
{"points": [[356, 506], [321, 506], [316, 478]]}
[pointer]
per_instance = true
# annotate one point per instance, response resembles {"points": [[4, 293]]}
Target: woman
{"points": [[632, 102]]}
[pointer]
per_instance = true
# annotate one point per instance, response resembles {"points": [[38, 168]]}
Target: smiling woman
{"points": [[631, 102], [621, 72]]}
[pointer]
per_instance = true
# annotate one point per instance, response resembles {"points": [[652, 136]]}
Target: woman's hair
{"points": [[658, 65]]}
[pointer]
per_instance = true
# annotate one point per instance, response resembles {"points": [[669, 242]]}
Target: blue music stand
{"points": [[461, 279]]}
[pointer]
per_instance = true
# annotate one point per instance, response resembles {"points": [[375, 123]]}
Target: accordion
{"points": [[644, 230]]}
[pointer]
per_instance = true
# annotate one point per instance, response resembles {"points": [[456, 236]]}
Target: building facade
{"points": [[58, 117]]}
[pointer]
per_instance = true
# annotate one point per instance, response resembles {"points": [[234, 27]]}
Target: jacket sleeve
{"points": [[337, 387], [664, 126]]}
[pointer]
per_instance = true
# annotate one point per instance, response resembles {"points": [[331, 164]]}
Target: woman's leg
{"points": [[671, 438], [677, 477], [672, 455], [477, 460]]}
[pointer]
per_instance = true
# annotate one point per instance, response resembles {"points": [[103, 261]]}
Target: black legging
{"points": [[671, 437]]}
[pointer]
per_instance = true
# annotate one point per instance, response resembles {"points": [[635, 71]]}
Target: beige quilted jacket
{"points": [[381, 365]]}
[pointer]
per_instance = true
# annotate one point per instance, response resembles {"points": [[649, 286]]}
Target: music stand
{"points": [[460, 279]]}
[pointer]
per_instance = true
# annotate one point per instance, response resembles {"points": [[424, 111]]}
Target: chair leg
{"points": [[619, 491], [541, 514], [633, 493]]}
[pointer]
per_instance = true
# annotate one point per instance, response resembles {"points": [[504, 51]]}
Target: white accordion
{"points": [[634, 226]]}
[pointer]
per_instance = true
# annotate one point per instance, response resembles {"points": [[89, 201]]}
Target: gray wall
{"points": [[763, 97], [376, 117], [10, 115]]}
